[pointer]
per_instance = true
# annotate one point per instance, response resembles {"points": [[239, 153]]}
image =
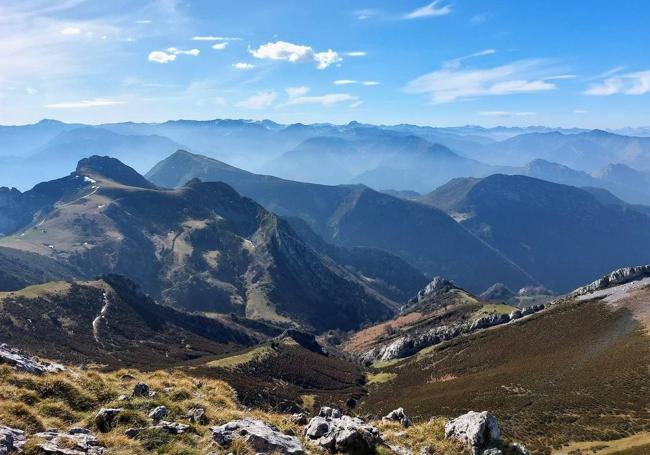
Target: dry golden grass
{"points": [[429, 436]]}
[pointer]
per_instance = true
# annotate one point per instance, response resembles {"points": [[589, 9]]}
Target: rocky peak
{"points": [[437, 286], [615, 278], [112, 169]]}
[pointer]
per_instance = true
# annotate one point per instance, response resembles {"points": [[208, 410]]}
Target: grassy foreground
{"points": [[73, 398]]}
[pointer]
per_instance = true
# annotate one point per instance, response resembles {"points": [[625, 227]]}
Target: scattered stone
{"points": [[299, 419], [171, 427], [11, 440], [476, 429], [261, 436], [158, 413], [105, 417], [141, 390], [77, 441], [21, 362], [398, 415], [341, 433], [197, 415]]}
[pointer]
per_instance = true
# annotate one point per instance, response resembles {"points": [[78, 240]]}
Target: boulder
{"points": [[475, 429], [11, 440], [299, 419], [105, 417], [197, 415], [398, 415], [516, 314], [519, 449], [21, 362], [141, 390], [158, 413], [335, 432], [77, 441], [261, 436]]}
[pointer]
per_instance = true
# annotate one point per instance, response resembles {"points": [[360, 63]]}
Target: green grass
{"points": [[381, 378], [257, 354]]}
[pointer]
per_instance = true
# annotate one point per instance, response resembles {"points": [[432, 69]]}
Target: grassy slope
{"points": [[579, 372]]}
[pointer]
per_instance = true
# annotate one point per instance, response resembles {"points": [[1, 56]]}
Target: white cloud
{"points": [[452, 82], [432, 9], [220, 46], [215, 38], [192, 52], [345, 82], [637, 83], [356, 104], [260, 100], [71, 31], [243, 66], [294, 53], [506, 114], [370, 83], [161, 57], [364, 14], [298, 95], [97, 102], [143, 21], [455, 63], [356, 54]]}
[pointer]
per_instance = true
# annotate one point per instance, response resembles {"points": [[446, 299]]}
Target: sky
{"points": [[579, 63]]}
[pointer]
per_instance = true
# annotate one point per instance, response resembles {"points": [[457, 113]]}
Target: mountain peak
{"points": [[112, 169]]}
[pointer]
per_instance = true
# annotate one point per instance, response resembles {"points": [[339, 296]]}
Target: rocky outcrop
{"points": [[105, 418], [197, 415], [498, 292], [158, 413], [300, 418], [398, 415], [477, 430], [336, 432], [615, 278], [11, 440], [437, 286], [261, 436], [304, 339], [77, 441], [21, 362], [173, 428], [141, 390]]}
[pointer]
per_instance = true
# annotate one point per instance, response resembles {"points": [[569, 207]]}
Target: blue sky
{"points": [[451, 62]]}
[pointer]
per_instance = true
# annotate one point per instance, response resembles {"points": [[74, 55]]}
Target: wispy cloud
{"points": [[478, 19], [243, 66], [356, 54], [435, 8], [363, 14], [215, 38], [192, 52], [294, 53], [456, 62], [299, 95], [636, 83], [453, 82], [220, 46], [97, 102], [260, 100], [352, 81], [161, 57]]}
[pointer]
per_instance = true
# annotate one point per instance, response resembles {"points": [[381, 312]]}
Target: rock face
{"points": [[77, 441], [22, 362], [615, 278], [398, 415], [335, 432], [261, 436], [105, 417], [476, 429], [11, 440], [437, 286]]}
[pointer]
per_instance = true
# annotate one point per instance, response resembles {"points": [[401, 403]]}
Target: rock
{"points": [[304, 339], [105, 417], [78, 441], [171, 427], [261, 436], [398, 415], [158, 413], [516, 314], [341, 433], [141, 390], [476, 429], [493, 451], [532, 309], [197, 415], [21, 362], [519, 449], [498, 292], [437, 286], [489, 321], [132, 432], [299, 419], [11, 440], [615, 278]]}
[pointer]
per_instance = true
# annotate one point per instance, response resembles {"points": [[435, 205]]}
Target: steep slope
{"points": [[575, 372], [356, 216], [559, 234], [19, 269], [108, 321], [202, 247]]}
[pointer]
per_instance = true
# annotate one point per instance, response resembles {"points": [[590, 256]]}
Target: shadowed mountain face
{"points": [[201, 247], [559, 234], [356, 216]]}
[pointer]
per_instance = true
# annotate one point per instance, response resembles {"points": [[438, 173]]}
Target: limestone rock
{"points": [[158, 413], [437, 286], [335, 432], [261, 436], [105, 417], [299, 419], [476, 429], [141, 390], [197, 415], [21, 362], [11, 440], [398, 415], [77, 441]]}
